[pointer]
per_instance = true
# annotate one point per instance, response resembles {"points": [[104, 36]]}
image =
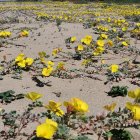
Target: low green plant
{"points": [[8, 96], [118, 91], [119, 134]]}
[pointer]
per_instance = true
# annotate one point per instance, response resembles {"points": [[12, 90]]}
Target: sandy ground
{"points": [[91, 91]]}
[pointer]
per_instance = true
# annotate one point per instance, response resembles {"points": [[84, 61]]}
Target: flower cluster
{"points": [[22, 61], [4, 34]]}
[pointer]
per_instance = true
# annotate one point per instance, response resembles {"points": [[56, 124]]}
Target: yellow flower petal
{"points": [[135, 93], [124, 44], [80, 48], [77, 105], [55, 107], [47, 71], [135, 108], [110, 107], [47, 129], [114, 68], [24, 33], [73, 39], [29, 61], [100, 43], [33, 96], [22, 63], [50, 63], [20, 57]]}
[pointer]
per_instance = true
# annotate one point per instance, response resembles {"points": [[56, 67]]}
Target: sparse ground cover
{"points": [[69, 71]]}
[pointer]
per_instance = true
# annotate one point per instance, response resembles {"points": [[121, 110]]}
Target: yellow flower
{"points": [[59, 49], [8, 34], [98, 51], [100, 43], [66, 18], [24, 33], [80, 48], [114, 29], [29, 61], [124, 29], [109, 19], [60, 65], [50, 63], [47, 129], [85, 62], [135, 93], [138, 24], [42, 59], [87, 40], [135, 108], [55, 52], [22, 63], [4, 34], [55, 107], [47, 71], [73, 39], [42, 54], [114, 68], [103, 61], [33, 96], [124, 44], [104, 36], [20, 57], [95, 53], [77, 105], [110, 107], [110, 43], [105, 29]]}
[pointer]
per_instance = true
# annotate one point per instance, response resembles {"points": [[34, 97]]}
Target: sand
{"points": [[44, 36]]}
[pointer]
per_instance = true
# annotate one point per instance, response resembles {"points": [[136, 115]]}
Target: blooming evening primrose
{"points": [[87, 40], [135, 108], [20, 57], [55, 52], [80, 48], [85, 62], [33, 96], [77, 105], [100, 43], [104, 36], [43, 60], [124, 29], [29, 61], [47, 129], [55, 107], [4, 34], [110, 107], [50, 63], [47, 71], [98, 51], [110, 43], [60, 66], [73, 39], [114, 68], [124, 43], [134, 93], [24, 33], [22, 63]]}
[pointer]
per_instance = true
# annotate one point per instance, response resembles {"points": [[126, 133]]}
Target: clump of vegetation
{"points": [[118, 91]]}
